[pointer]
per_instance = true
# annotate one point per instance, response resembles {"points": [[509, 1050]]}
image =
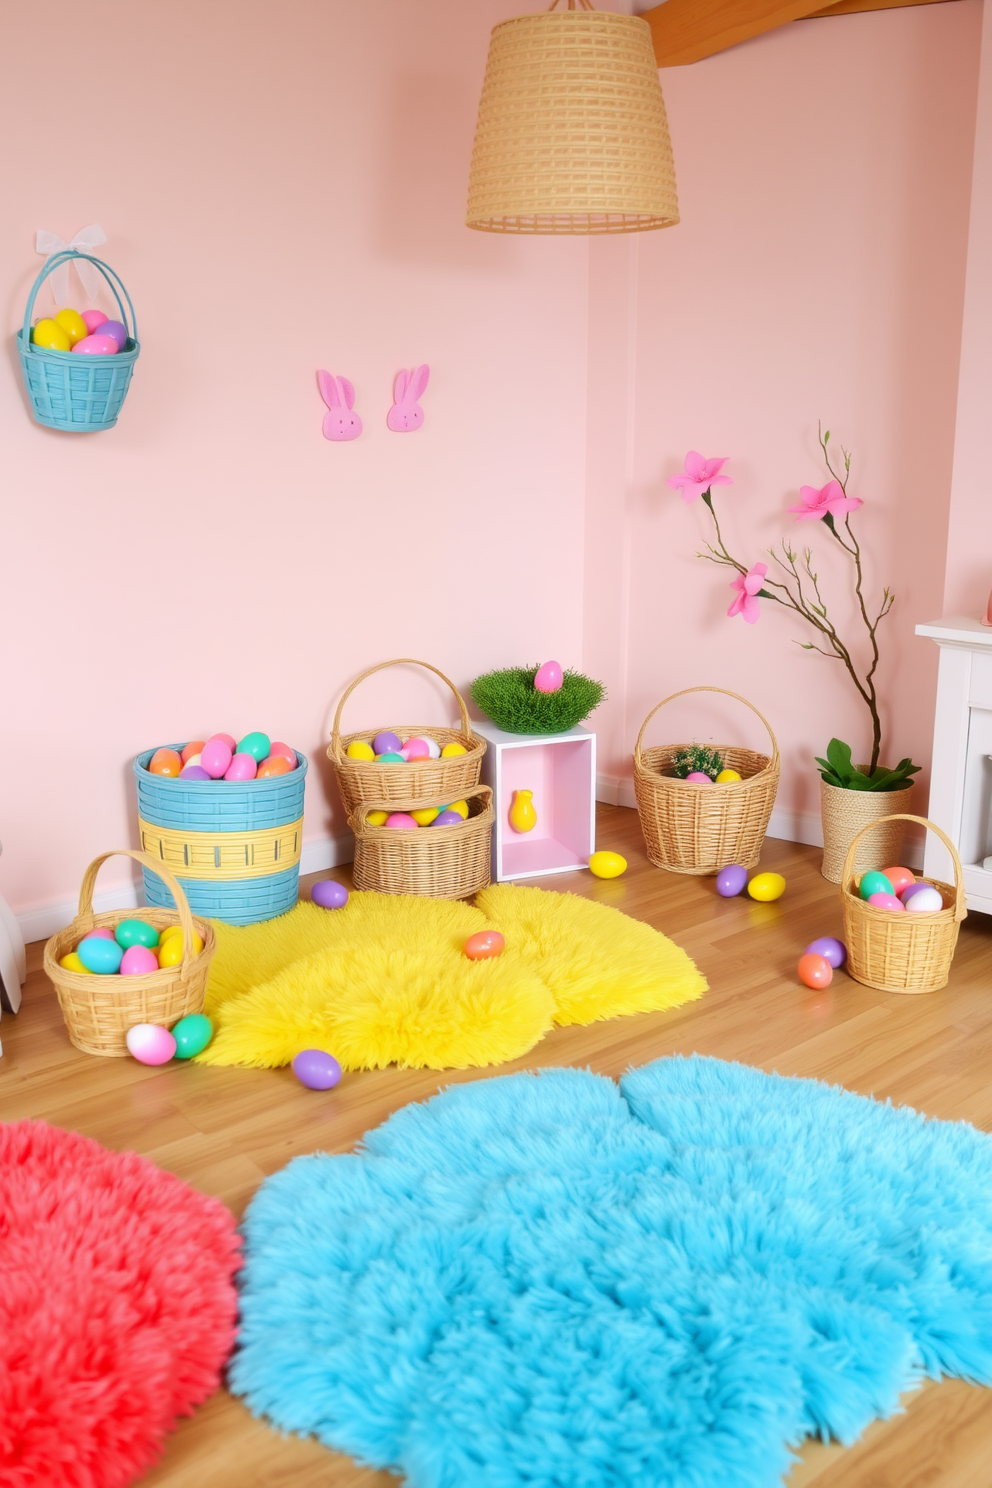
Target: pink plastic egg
{"points": [[882, 900], [900, 878], [228, 739], [137, 960], [215, 758], [242, 767], [150, 1044], [93, 319], [698, 778], [102, 934], [116, 330], [415, 749], [284, 750], [97, 345], [193, 772], [400, 819], [548, 677]]}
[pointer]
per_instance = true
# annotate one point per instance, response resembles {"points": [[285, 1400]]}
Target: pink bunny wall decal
{"points": [[341, 421], [406, 414]]}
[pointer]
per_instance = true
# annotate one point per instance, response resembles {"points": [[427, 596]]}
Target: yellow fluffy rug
{"points": [[384, 980]]}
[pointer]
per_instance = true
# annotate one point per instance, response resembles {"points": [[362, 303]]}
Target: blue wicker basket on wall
{"points": [[234, 845], [82, 394]]}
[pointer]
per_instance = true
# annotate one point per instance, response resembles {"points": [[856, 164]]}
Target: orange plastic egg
{"points": [[193, 747], [276, 764], [165, 762], [815, 971], [484, 945]]}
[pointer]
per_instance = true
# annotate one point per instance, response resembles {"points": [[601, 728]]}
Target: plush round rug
{"points": [[117, 1307], [547, 1281]]}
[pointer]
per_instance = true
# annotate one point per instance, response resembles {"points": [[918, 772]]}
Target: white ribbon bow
{"points": [[85, 240]]}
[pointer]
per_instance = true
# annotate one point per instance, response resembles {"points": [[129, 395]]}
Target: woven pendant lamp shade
{"points": [[572, 135]]}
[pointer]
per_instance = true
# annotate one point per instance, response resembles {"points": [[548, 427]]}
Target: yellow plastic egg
{"points": [[425, 815], [607, 864], [766, 886], [51, 336], [71, 962], [170, 952], [461, 807], [726, 776], [450, 750], [358, 749], [173, 933], [73, 324], [376, 818]]}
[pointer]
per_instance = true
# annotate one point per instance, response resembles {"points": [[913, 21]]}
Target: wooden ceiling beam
{"points": [[688, 30]]}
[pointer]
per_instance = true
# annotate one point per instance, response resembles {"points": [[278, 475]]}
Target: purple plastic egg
{"points": [[832, 950], [150, 1044], [447, 819], [97, 345], [914, 888], [138, 960], [928, 902], [882, 900], [387, 743], [242, 767], [215, 758], [193, 772], [117, 330], [731, 880], [329, 894], [316, 1070]]}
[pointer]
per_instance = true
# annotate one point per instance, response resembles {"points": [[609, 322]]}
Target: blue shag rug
{"points": [[547, 1281]]}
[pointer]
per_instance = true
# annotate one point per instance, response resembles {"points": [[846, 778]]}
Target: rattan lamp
{"points": [[572, 135]]}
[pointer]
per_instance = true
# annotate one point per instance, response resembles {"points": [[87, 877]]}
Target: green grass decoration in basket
{"points": [[696, 759], [514, 704]]}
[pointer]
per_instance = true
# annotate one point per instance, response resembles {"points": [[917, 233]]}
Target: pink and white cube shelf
{"points": [[561, 771]]}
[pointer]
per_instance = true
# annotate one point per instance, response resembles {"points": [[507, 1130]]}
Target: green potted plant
{"points": [[852, 795]]}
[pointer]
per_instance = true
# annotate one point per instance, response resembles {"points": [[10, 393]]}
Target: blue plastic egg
{"points": [[99, 955]]}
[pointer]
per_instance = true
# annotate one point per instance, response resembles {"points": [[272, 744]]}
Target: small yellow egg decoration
{"points": [[51, 336], [461, 807], [359, 750], [726, 776], [450, 750], [607, 864], [71, 962], [376, 818], [766, 886], [425, 815], [73, 324]]}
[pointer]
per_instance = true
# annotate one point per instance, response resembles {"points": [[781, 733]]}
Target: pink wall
{"points": [[283, 188], [824, 175]]}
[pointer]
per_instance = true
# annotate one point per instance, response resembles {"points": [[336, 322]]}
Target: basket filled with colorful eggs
{"points": [[225, 814], [127, 968], [77, 364], [901, 931], [399, 765], [439, 849]]}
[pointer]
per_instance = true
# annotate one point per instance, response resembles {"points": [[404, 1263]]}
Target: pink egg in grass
{"points": [[882, 900], [93, 319], [284, 750], [150, 1044], [215, 758], [242, 767], [138, 960], [97, 345], [549, 677]]}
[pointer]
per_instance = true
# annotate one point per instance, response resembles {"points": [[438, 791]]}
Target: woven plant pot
{"points": [[398, 787], [701, 828], [436, 862], [99, 1010], [906, 952], [845, 813]]}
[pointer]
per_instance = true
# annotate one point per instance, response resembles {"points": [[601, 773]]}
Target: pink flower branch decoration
{"points": [[798, 588]]}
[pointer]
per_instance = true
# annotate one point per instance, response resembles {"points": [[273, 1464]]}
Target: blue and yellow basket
{"points": [[234, 845], [81, 394]]}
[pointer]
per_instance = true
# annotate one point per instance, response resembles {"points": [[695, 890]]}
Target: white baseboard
{"points": [[788, 826], [44, 920]]}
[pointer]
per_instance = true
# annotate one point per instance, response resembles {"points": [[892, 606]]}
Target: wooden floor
{"points": [[223, 1130]]}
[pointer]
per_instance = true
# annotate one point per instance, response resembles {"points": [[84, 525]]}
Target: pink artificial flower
{"points": [[745, 601], [699, 474], [815, 504]]}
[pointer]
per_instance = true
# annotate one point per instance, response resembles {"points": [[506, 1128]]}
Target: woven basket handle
{"points": [[400, 661], [847, 877], [357, 817], [85, 918], [725, 693], [66, 256]]}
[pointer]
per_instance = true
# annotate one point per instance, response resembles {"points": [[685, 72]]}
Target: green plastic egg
{"points": [[257, 745], [136, 932], [192, 1034], [875, 883]]}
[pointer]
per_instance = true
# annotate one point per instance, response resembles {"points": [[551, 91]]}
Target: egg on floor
{"points": [[766, 887]]}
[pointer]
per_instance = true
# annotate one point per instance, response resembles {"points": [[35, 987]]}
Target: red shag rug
{"points": [[117, 1307]]}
